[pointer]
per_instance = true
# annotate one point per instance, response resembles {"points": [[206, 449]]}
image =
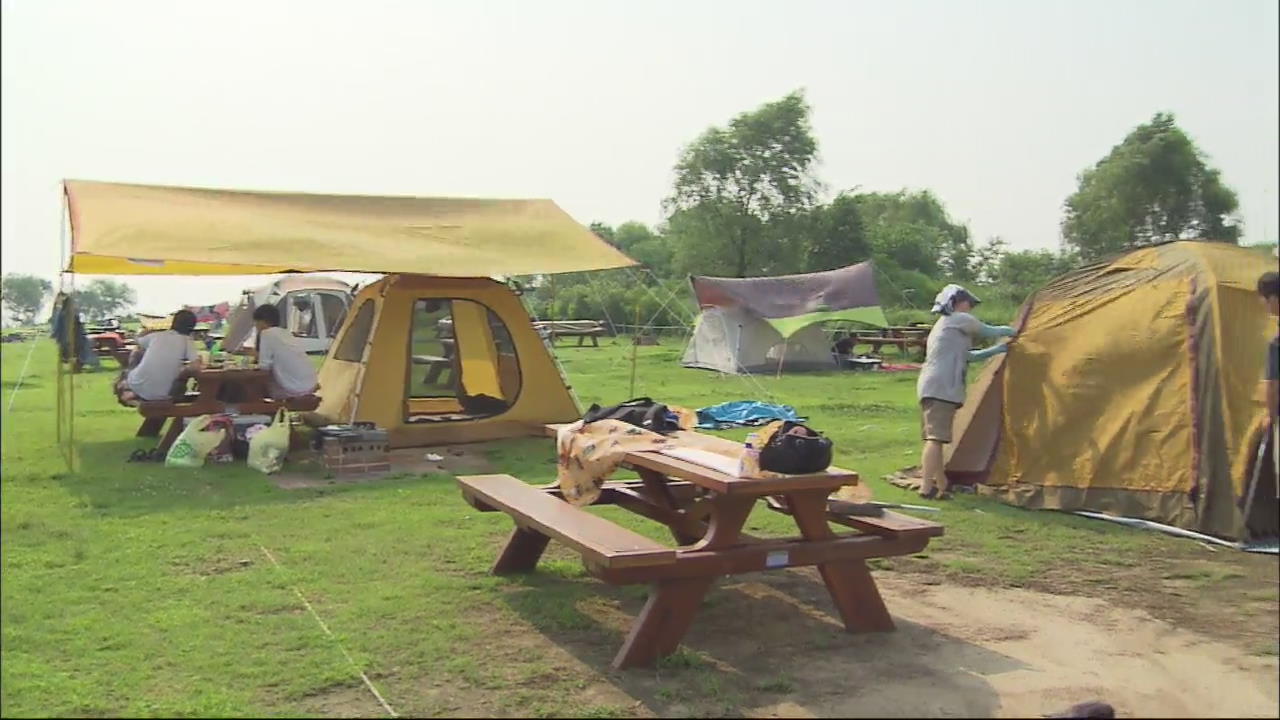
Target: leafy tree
{"points": [[603, 230], [836, 236], [651, 249], [1154, 186], [888, 216], [24, 295], [103, 298], [1023, 272], [986, 260], [734, 184], [910, 246]]}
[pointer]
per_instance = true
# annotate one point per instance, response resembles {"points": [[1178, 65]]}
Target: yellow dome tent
{"points": [[487, 376], [440, 360], [1132, 389]]}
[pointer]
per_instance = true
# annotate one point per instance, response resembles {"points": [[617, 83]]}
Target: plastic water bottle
{"points": [[749, 463]]}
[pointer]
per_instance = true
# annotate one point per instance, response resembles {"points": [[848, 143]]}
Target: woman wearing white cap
{"points": [[941, 384]]}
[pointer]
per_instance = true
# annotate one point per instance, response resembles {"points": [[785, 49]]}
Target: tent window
{"points": [[335, 311], [301, 315], [351, 349], [462, 361]]}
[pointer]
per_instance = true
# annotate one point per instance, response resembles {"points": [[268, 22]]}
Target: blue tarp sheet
{"points": [[744, 413]]}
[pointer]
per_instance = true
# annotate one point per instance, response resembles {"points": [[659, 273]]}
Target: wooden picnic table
{"points": [[252, 390], [705, 511], [903, 337]]}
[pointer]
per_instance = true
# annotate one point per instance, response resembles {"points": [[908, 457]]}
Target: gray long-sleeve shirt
{"points": [[949, 353]]}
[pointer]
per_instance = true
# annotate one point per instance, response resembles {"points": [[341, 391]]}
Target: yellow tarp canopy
{"points": [[119, 229]]}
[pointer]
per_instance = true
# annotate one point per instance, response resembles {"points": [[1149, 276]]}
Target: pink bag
{"points": [[222, 453]]}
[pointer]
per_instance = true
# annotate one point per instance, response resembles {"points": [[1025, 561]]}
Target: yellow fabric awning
{"points": [[119, 229]]}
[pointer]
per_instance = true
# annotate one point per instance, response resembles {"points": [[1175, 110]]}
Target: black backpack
{"points": [[796, 454], [641, 412]]}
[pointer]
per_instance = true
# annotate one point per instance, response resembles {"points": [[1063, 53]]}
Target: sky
{"points": [[994, 105]]}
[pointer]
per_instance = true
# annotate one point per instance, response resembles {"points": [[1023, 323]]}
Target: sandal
{"points": [[934, 494]]}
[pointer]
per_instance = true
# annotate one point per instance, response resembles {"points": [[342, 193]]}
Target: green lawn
{"points": [[132, 589]]}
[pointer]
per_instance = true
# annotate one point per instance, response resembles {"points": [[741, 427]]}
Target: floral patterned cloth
{"points": [[589, 453]]}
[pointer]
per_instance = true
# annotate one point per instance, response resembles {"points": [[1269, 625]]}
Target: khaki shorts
{"points": [[936, 417]]}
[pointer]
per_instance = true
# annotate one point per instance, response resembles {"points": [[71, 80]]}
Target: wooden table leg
{"points": [[673, 604], [521, 554], [666, 617], [852, 588], [150, 427], [171, 435]]}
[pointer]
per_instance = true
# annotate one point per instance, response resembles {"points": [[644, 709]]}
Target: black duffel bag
{"points": [[796, 453], [641, 412]]}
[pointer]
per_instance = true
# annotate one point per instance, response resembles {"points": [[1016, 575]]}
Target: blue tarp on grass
{"points": [[744, 413]]}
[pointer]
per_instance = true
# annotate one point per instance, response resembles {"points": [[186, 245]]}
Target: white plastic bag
{"points": [[268, 447], [194, 444]]}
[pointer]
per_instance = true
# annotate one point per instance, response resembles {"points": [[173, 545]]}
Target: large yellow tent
{"points": [[1132, 388], [440, 360], [436, 352]]}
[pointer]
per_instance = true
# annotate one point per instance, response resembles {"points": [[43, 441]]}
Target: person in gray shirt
{"points": [[941, 386], [292, 373]]}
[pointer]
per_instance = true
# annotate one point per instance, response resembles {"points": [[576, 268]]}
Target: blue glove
{"points": [[989, 352]]}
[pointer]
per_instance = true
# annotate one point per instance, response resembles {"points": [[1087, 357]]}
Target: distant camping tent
{"points": [[312, 308], [764, 324], [1131, 389], [440, 360], [119, 229]]}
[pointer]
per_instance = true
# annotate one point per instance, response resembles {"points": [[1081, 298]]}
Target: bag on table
{"points": [[268, 448], [194, 444], [794, 449], [641, 412]]}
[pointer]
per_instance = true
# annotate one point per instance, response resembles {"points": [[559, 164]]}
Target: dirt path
{"points": [[772, 647], [1017, 653]]}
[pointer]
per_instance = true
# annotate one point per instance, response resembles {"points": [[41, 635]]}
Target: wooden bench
{"points": [[890, 524], [541, 517], [156, 412]]}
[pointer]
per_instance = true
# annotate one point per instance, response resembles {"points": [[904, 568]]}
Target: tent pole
{"points": [[782, 360], [635, 345], [1253, 481]]}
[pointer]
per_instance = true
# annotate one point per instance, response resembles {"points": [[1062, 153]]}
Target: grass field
{"points": [[132, 589]]}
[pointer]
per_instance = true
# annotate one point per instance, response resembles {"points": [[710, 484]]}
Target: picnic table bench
{"points": [[904, 338], [582, 329], [253, 386], [705, 511]]}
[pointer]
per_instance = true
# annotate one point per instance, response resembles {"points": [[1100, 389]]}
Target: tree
{"points": [[939, 245], [24, 295], [603, 231], [986, 260], [836, 236], [644, 245], [734, 186], [1152, 187], [103, 298]]}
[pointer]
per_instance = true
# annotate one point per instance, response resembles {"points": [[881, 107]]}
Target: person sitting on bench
{"points": [[843, 345], [292, 374], [156, 365]]}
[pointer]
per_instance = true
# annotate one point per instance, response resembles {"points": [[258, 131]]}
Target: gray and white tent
{"points": [[767, 324]]}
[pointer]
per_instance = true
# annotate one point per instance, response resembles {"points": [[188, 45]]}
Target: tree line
{"points": [[25, 295], [747, 202]]}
